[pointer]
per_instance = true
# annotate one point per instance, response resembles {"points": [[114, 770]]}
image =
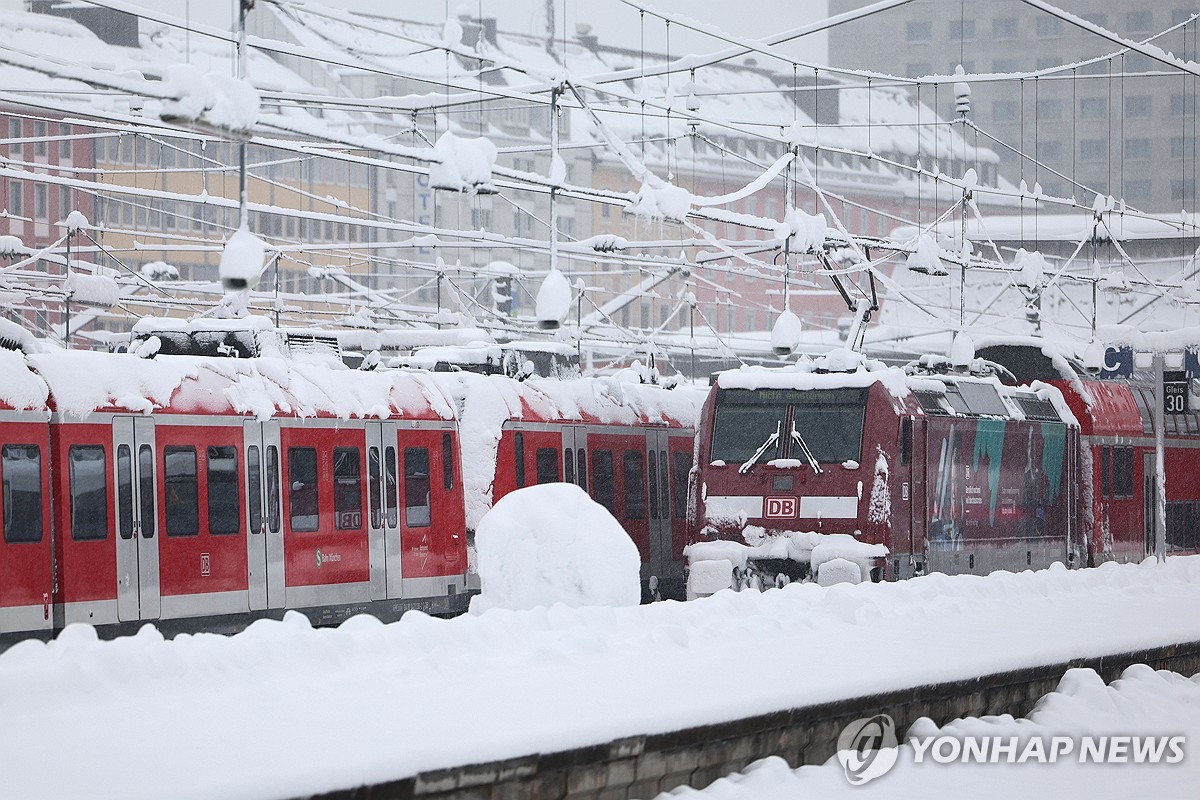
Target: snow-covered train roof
{"points": [[950, 394]]}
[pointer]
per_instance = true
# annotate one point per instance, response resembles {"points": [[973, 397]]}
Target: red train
{"points": [[951, 471], [202, 492]]}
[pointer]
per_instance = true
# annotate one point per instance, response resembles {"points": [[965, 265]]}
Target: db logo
{"points": [[781, 507], [867, 748]]}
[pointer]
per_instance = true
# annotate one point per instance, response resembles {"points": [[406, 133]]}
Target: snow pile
{"points": [[809, 230], [926, 257], [242, 259], [92, 290], [804, 547], [785, 334], [464, 165], [1141, 703], [1032, 268], [76, 221], [657, 199], [839, 570], [550, 544], [159, 271], [19, 387], [216, 99], [625, 671], [553, 299], [879, 509]]}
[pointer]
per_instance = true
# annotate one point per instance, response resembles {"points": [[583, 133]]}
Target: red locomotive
{"points": [[202, 492], [953, 471]]}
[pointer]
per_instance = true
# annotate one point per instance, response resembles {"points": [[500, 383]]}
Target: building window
{"points": [[16, 197], [918, 31], [1005, 65], [1093, 108], [1183, 147], [962, 29], [1139, 21], [64, 143], [1138, 106], [224, 515], [180, 487], [1049, 110], [21, 474], [1183, 105], [917, 69], [1137, 191], [40, 132], [1004, 111], [14, 133], [1184, 189], [64, 202], [1050, 152], [41, 202], [1093, 149], [1004, 28], [1049, 26], [1137, 149], [1046, 62], [1097, 19]]}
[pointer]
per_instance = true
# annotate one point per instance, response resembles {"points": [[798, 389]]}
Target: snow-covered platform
{"points": [[284, 710]]}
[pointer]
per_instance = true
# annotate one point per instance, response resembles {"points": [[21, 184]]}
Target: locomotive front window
{"points": [[833, 432], [740, 429]]}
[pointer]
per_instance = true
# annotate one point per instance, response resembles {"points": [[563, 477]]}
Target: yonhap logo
{"points": [[867, 748]]}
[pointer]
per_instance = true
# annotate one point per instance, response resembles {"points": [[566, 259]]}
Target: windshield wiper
{"points": [[808, 454], [772, 439]]}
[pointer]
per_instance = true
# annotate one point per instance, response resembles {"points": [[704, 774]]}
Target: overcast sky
{"points": [[613, 21]]}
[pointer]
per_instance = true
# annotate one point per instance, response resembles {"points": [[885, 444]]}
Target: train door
{"points": [[383, 518], [574, 447], [137, 519], [264, 540], [658, 495], [917, 504]]}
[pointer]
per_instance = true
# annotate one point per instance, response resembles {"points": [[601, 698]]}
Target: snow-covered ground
{"points": [[285, 710], [1142, 703]]}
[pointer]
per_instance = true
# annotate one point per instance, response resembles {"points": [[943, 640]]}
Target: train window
{"points": [[146, 490], [635, 484], [956, 401], [832, 429], [224, 516], [653, 467], [254, 487], [547, 465], [303, 500], [906, 433], [568, 466], [273, 488], [347, 488], [983, 399], [519, 457], [21, 468], [1125, 486], [89, 492], [375, 487], [390, 487], [664, 484], [417, 511], [124, 492], [179, 484], [447, 462], [740, 429], [602, 479], [581, 468], [1106, 472], [931, 402], [682, 466]]}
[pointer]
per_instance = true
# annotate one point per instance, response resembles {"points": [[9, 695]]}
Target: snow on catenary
{"points": [[424, 693]]}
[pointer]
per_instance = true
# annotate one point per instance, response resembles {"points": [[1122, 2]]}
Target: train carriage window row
{"points": [[21, 474], [547, 465], [1183, 524]]}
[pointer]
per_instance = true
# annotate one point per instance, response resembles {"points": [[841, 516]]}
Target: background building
{"points": [[1111, 122]]}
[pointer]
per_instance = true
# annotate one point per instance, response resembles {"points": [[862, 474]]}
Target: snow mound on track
{"points": [[550, 544]]}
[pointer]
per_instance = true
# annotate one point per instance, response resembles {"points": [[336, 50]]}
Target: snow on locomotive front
{"points": [[902, 471]]}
